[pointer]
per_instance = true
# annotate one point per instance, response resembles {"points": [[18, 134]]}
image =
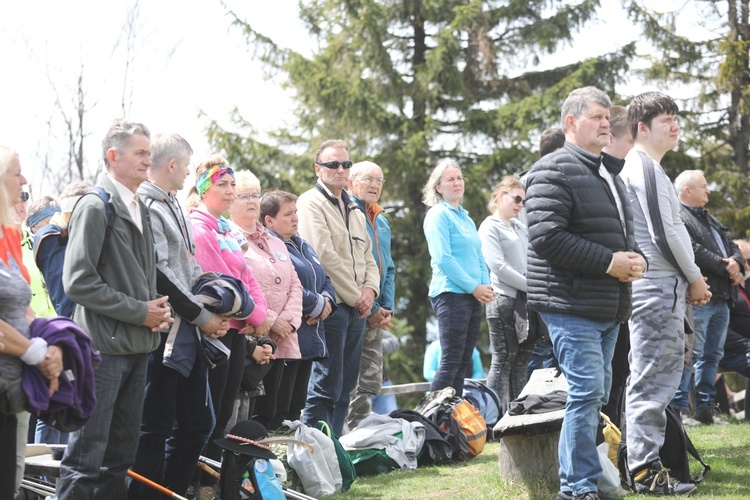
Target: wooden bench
{"points": [[528, 443]]}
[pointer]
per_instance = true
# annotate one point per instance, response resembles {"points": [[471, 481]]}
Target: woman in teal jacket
{"points": [[460, 279]]}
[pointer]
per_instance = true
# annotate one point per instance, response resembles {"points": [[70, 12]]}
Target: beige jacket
{"points": [[344, 248]]}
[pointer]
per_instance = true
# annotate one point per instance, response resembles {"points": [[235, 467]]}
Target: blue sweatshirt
{"points": [[457, 262]]}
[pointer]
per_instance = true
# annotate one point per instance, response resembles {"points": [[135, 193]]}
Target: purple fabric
{"points": [[74, 402]]}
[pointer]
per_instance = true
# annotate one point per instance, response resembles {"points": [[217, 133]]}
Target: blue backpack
{"points": [[484, 399]]}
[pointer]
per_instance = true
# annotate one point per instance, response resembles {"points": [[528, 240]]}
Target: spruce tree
{"points": [[408, 82]]}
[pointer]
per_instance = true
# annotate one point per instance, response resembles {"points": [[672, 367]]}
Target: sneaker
{"points": [[655, 480], [687, 419], [709, 414]]}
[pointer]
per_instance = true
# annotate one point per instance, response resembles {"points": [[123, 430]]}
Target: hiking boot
{"points": [[655, 480], [687, 419], [709, 414]]}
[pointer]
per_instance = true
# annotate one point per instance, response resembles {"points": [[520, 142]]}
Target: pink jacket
{"points": [[269, 259], [216, 250]]}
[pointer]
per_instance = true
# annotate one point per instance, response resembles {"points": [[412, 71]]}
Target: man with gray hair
{"points": [[110, 272], [582, 259], [720, 261], [177, 416], [365, 185]]}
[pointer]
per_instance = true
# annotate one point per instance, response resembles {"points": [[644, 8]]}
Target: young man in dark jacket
{"points": [[582, 260], [177, 414]]}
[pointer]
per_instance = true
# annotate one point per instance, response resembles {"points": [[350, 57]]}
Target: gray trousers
{"points": [[370, 377], [657, 332]]}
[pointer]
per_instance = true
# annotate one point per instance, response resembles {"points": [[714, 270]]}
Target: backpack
{"points": [[437, 450], [467, 430], [483, 398], [348, 473], [110, 211], [674, 454], [247, 477]]}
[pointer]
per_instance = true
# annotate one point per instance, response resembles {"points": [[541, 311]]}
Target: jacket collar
{"points": [[348, 202], [592, 161], [373, 209]]}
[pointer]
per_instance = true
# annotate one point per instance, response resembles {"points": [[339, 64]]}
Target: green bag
{"points": [[348, 474]]}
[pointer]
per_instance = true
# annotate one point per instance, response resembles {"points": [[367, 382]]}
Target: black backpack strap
{"points": [[109, 211], [652, 200], [694, 453]]}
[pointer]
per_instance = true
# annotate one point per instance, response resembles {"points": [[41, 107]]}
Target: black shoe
{"points": [[687, 419], [709, 414], [655, 480]]}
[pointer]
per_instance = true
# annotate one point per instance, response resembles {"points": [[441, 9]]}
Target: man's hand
{"points": [[216, 327], [281, 328], [733, 268], [381, 319], [364, 304], [483, 293], [627, 266], [698, 292], [159, 315]]}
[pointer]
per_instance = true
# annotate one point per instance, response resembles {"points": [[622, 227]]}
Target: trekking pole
{"points": [[41, 489], [209, 470], [296, 495], [161, 489]]}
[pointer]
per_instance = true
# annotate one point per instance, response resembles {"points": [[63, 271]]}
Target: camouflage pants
{"points": [[370, 377], [656, 360]]}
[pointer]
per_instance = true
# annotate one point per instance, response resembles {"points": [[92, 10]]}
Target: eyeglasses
{"points": [[517, 199], [333, 165], [368, 179], [248, 196]]}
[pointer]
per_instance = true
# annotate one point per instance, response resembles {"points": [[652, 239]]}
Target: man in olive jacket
{"points": [[111, 274]]}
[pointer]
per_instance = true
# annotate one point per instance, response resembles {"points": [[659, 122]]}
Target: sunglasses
{"points": [[333, 165], [517, 199]]}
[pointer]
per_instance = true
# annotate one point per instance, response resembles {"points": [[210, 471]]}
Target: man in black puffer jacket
{"points": [[582, 259]]}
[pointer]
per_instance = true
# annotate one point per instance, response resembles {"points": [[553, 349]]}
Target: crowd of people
{"points": [[593, 261]]}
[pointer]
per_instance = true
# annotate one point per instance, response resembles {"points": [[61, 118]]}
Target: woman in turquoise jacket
{"points": [[460, 279]]}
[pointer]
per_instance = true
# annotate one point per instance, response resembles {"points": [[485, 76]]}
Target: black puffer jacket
{"points": [[574, 228], [708, 255]]}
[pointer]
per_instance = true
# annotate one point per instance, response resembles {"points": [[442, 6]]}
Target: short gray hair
{"points": [[686, 178], [167, 147], [578, 102], [245, 179], [359, 166], [430, 196], [119, 135]]}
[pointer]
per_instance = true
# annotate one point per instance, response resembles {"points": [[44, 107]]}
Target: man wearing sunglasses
{"points": [[332, 222], [582, 260]]}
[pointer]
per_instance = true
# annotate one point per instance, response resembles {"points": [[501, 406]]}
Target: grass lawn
{"points": [[725, 448]]}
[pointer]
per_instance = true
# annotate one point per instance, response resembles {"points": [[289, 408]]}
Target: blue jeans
{"points": [[99, 454], [711, 323], [334, 378], [584, 350], [177, 420], [44, 433], [459, 316], [542, 357]]}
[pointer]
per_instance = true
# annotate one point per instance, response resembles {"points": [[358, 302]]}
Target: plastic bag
{"points": [[609, 481], [320, 474]]}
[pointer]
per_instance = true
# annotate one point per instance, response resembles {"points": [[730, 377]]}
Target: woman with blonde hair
{"points": [[504, 244], [217, 250], [460, 280], [15, 315]]}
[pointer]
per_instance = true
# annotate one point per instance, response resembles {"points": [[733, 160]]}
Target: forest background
{"points": [[404, 82]]}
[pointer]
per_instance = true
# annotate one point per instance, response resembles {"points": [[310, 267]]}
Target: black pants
{"points": [[8, 428]]}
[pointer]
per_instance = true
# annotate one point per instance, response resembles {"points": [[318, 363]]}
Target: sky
{"points": [[187, 60]]}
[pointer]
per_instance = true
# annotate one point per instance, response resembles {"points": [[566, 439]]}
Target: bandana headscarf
{"points": [[210, 176], [40, 215]]}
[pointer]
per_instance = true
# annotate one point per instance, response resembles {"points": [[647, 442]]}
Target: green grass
{"points": [[725, 448]]}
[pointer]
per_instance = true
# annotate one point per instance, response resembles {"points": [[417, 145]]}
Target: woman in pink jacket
{"points": [[217, 250], [269, 259]]}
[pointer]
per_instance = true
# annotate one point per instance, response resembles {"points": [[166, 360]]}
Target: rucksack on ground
{"points": [[466, 428], [483, 398], [675, 453]]}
